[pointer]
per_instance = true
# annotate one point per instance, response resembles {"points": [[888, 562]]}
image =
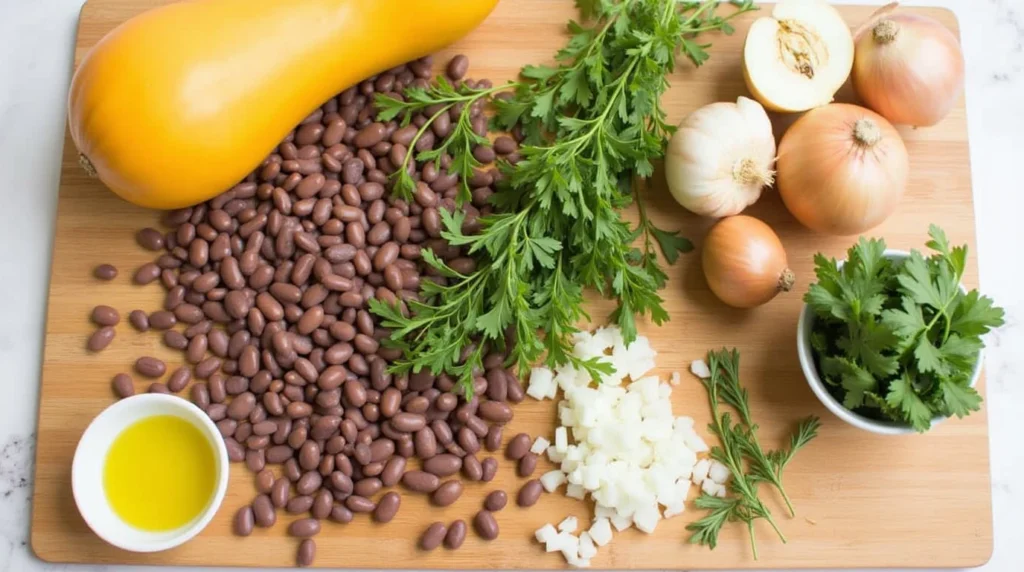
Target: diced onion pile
{"points": [[618, 443]]}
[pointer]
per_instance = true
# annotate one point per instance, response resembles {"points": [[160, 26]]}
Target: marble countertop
{"points": [[37, 43]]}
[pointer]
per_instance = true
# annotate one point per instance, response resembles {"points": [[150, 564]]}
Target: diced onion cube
{"points": [[601, 532], [718, 472], [568, 525], [674, 509], [587, 548], [700, 471], [646, 518], [545, 533], [621, 522], [539, 446], [695, 443], [575, 492], [700, 369], [712, 488], [551, 480], [561, 439]]}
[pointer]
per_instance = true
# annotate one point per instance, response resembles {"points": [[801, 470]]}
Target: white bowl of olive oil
{"points": [[149, 472]]}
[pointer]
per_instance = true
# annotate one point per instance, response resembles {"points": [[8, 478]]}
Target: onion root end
{"points": [[786, 280]]}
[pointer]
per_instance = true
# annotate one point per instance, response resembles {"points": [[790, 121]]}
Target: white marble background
{"points": [[36, 46]]}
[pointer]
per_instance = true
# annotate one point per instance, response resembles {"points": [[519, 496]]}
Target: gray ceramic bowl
{"points": [[806, 355]]}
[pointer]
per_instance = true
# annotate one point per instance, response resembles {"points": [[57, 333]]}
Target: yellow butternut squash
{"points": [[181, 102]]}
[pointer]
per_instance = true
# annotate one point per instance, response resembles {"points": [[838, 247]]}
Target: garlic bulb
{"points": [[721, 157]]}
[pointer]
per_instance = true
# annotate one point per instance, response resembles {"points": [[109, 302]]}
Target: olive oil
{"points": [[160, 473]]}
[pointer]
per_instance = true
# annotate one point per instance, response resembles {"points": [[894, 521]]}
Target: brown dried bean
{"points": [[244, 521], [468, 440], [299, 504], [146, 274], [527, 465], [495, 411], [495, 501], [105, 272], [100, 339], [387, 508], [433, 536], [255, 458], [405, 422], [304, 528], [341, 514], [529, 494], [265, 481], [122, 384], [105, 316], [393, 471], [472, 468], [447, 493], [179, 379], [443, 465], [323, 502], [421, 481], [505, 145], [456, 535], [236, 452], [150, 366], [358, 504], [139, 320], [306, 553], [279, 493], [162, 320], [485, 525], [518, 447]]}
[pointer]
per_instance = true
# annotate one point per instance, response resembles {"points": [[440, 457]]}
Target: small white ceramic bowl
{"points": [[806, 355], [90, 458]]}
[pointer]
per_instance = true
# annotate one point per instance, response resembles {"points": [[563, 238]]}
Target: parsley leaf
{"points": [[975, 315], [902, 396], [959, 400], [900, 341]]}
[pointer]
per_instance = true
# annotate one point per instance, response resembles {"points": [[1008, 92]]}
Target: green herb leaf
{"points": [[975, 315], [853, 378], [929, 358], [672, 245], [959, 400], [902, 396]]}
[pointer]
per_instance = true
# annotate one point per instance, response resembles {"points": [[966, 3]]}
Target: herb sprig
{"points": [[589, 122], [741, 452], [899, 340]]}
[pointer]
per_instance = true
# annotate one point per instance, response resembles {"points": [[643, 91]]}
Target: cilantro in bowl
{"points": [[895, 337]]}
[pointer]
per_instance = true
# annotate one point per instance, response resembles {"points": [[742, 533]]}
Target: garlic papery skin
{"points": [[721, 157]]}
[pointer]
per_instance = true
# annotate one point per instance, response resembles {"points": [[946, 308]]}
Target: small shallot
{"points": [[744, 262]]}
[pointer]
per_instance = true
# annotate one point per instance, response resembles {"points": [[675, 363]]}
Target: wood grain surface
{"points": [[862, 500]]}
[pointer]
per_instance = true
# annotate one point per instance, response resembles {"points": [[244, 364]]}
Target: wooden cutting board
{"points": [[862, 500]]}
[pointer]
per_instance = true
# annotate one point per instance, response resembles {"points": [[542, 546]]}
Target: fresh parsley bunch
{"points": [[899, 340], [592, 122]]}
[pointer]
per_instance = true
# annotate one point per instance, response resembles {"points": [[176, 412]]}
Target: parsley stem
{"points": [[785, 497], [411, 151], [753, 540]]}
